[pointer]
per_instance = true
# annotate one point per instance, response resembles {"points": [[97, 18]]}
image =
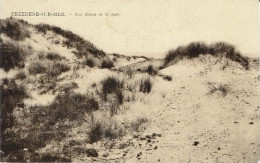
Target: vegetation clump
{"points": [[222, 88], [112, 85], [15, 28], [107, 64], [11, 55], [73, 40], [146, 85], [90, 62], [195, 49], [151, 70]]}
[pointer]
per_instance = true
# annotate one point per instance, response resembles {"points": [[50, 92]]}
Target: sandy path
{"points": [[187, 124], [197, 127]]}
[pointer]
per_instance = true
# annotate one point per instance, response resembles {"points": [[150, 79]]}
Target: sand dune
{"points": [[68, 102]]}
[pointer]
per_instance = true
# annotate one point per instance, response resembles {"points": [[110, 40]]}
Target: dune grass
{"points": [[219, 49], [12, 55], [73, 40], [146, 85], [15, 28]]}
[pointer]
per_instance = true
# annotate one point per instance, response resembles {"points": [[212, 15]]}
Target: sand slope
{"points": [[193, 125]]}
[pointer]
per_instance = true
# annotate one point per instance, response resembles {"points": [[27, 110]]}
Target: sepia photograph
{"points": [[125, 81]]}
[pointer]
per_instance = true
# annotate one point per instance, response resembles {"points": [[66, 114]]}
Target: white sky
{"points": [[151, 27]]}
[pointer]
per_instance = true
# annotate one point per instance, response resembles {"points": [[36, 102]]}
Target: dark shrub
{"points": [[95, 132], [68, 44], [67, 107], [229, 51], [20, 75], [169, 57], [52, 70], [178, 53], [113, 131], [112, 85], [146, 85], [168, 78], [161, 67], [120, 96], [70, 106], [14, 28], [54, 56], [221, 48], [37, 68], [150, 70], [58, 68], [67, 88], [237, 57], [11, 56], [43, 28], [107, 64], [115, 59], [90, 63], [108, 129], [194, 49], [136, 125], [11, 96]]}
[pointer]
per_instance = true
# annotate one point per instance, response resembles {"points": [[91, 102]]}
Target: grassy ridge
{"points": [[73, 40], [194, 49]]}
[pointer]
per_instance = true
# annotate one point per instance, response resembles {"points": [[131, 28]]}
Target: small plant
{"points": [[223, 89], [67, 88], [168, 78], [136, 124], [221, 48], [161, 67], [57, 68], [129, 72], [54, 56], [21, 75], [150, 70], [90, 63], [107, 64], [146, 85], [37, 68], [56, 42], [120, 96], [163, 94], [112, 85], [108, 129], [95, 132], [113, 130], [115, 59]]}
